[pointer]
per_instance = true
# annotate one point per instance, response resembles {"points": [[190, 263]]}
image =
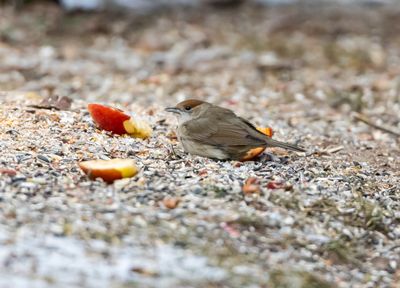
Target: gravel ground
{"points": [[326, 219]]}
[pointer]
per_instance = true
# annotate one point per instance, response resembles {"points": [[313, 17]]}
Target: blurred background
{"points": [[338, 53]]}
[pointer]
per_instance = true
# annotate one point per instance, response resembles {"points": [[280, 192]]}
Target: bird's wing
{"points": [[226, 129]]}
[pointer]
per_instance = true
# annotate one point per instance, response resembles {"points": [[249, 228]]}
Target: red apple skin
{"points": [[108, 118], [274, 185]]}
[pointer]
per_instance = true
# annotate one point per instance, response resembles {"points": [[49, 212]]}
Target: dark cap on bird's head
{"points": [[185, 106]]}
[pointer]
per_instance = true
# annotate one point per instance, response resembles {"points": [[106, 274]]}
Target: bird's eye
{"points": [[187, 108]]}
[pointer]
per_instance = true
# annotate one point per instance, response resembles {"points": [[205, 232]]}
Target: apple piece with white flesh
{"points": [[116, 121], [109, 170]]}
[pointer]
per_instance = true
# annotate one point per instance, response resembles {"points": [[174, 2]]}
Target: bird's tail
{"points": [[275, 143]]}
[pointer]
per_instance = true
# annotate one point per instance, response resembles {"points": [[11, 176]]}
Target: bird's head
{"points": [[187, 110]]}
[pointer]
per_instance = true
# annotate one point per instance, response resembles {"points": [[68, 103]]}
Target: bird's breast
{"points": [[194, 147]]}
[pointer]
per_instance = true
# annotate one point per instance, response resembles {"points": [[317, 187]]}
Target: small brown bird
{"points": [[211, 131]]}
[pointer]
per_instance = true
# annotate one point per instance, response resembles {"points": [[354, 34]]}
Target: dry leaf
{"points": [[171, 202], [279, 185], [144, 271], [172, 135], [9, 172], [54, 102], [251, 186], [203, 173]]}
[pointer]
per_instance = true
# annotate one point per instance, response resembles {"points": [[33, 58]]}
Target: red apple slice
{"points": [[109, 170], [253, 153], [116, 121], [108, 118]]}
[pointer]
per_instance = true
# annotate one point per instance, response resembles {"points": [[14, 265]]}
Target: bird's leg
{"points": [[271, 157], [172, 151]]}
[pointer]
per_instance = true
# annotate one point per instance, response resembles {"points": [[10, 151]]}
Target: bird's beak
{"points": [[173, 110]]}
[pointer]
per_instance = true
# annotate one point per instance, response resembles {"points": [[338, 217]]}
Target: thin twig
{"points": [[334, 149], [173, 152], [327, 151], [364, 119]]}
